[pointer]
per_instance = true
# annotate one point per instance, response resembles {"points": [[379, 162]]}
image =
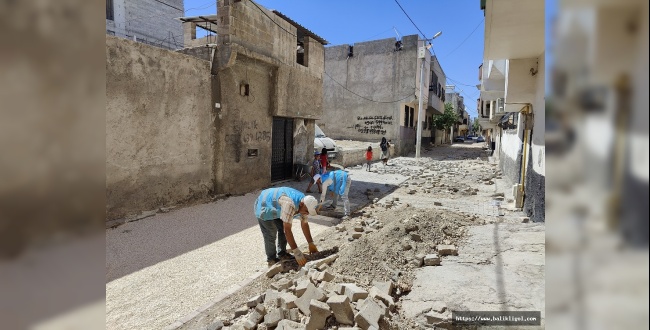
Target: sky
{"points": [[459, 49]]}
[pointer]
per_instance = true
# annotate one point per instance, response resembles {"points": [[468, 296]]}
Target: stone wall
{"points": [[158, 128]]}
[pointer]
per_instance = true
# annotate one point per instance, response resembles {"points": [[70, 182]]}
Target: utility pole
{"points": [[422, 52]]}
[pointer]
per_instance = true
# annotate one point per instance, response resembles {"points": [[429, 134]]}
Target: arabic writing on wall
{"points": [[373, 124]]}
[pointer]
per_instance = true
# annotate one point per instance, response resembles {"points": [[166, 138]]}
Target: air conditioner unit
{"points": [[500, 106]]}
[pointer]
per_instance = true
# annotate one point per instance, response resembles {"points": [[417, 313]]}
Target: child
{"points": [[324, 162], [315, 170], [369, 156]]}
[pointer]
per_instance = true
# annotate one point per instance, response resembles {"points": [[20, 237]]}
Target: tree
{"points": [[447, 119], [476, 126]]}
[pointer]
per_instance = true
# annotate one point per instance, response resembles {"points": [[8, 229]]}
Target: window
{"points": [[434, 82], [412, 112], [109, 10], [406, 116]]}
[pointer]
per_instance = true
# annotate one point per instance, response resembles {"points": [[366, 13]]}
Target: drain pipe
{"points": [[527, 121]]}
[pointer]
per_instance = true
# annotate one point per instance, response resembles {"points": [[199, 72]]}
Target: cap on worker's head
{"points": [[316, 153], [311, 203], [316, 177]]}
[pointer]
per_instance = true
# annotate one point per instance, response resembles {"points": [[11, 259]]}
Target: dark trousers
{"points": [[272, 230]]}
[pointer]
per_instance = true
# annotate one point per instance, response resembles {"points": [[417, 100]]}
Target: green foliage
{"points": [[476, 126], [446, 120]]}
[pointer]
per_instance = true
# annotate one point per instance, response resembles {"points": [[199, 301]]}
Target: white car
{"points": [[321, 141]]}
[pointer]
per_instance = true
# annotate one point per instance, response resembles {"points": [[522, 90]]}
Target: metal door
{"points": [[282, 149]]}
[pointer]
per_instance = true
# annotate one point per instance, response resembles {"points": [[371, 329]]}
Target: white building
{"points": [[511, 106]]}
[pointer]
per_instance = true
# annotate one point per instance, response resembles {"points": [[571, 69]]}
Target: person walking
{"points": [[369, 157], [275, 209], [384, 150], [338, 183], [316, 169]]}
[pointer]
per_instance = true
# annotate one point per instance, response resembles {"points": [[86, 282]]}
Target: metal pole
{"points": [[418, 139]]}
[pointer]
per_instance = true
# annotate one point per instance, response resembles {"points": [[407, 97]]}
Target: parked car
{"points": [[480, 139], [459, 139], [322, 141]]}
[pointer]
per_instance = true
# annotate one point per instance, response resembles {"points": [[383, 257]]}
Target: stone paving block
{"points": [[260, 309], [320, 311], [354, 292], [217, 325], [301, 287], [281, 285], [304, 301], [432, 260], [249, 325], [340, 306], [262, 326], [290, 325], [287, 300], [274, 316], [323, 267], [274, 270], [325, 276], [369, 314], [253, 301], [447, 250], [271, 298], [339, 289], [241, 311], [384, 287], [256, 316], [375, 293]]}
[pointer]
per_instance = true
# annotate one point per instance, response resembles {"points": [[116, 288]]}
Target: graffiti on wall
{"points": [[247, 131], [373, 124]]}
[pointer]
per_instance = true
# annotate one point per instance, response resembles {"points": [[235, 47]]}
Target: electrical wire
{"points": [[470, 34], [363, 97], [409, 17], [272, 20]]}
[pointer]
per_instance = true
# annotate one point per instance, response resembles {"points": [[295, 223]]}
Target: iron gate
{"points": [[282, 149]]}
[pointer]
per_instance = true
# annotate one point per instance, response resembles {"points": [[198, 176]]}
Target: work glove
{"points": [[312, 248], [300, 258]]}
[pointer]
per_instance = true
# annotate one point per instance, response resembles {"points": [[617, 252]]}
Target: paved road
{"points": [[162, 268]]}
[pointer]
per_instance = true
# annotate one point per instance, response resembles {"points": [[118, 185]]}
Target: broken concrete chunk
{"points": [[447, 250], [411, 227], [217, 325], [260, 309], [320, 311], [273, 317], [354, 293], [271, 298], [290, 325], [339, 289], [301, 287], [356, 235], [274, 270], [293, 315], [312, 292], [432, 260], [340, 306], [281, 285], [358, 229], [287, 300], [406, 246], [416, 237], [255, 316], [376, 293], [369, 314], [325, 276], [437, 203], [322, 267], [249, 325], [384, 287], [253, 301], [241, 311]]}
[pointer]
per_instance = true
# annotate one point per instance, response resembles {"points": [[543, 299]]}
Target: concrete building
{"points": [[371, 90], [457, 102], [181, 128], [149, 21], [511, 105]]}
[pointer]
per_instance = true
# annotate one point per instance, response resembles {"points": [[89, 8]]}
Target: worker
{"points": [[338, 183], [275, 209]]}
